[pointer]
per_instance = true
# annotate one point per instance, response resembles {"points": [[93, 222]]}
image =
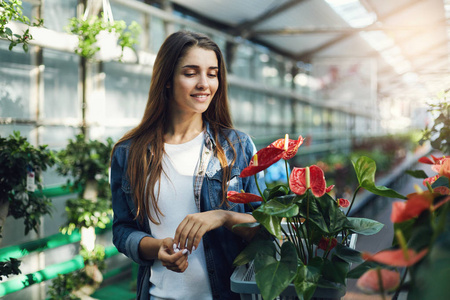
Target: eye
{"points": [[189, 74], [212, 75]]}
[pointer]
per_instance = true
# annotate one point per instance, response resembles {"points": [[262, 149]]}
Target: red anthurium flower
{"points": [[413, 207], [443, 190], [444, 169], [435, 161], [396, 258], [430, 180], [369, 282], [343, 202], [328, 189], [326, 245], [237, 197], [300, 182], [292, 146], [263, 159]]}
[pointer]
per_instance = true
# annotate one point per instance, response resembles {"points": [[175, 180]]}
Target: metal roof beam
{"points": [[245, 28], [325, 30], [306, 56]]}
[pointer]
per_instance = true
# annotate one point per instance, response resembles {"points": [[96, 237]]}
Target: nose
{"points": [[202, 83]]}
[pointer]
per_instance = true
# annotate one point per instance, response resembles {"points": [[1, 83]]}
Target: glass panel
{"points": [[126, 89], [61, 85], [157, 34], [57, 13], [15, 83]]}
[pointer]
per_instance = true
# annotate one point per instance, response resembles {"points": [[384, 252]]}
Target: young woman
{"points": [[170, 176]]}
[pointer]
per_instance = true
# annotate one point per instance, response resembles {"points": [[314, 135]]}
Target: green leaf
{"points": [[333, 216], [315, 213], [306, 281], [335, 270], [276, 208], [348, 254], [365, 169], [259, 244], [365, 226], [271, 223], [276, 191], [273, 276], [361, 269], [441, 181], [381, 190], [417, 173]]}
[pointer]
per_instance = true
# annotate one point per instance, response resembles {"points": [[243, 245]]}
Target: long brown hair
{"points": [[143, 164]]}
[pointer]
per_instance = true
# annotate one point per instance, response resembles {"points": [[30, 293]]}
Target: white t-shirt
{"points": [[176, 200]]}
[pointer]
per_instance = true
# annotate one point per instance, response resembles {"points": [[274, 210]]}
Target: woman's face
{"points": [[195, 81]]}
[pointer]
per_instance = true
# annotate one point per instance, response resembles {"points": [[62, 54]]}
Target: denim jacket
{"points": [[221, 246]]}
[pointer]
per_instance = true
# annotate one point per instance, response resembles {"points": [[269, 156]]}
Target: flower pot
{"points": [[243, 282]]}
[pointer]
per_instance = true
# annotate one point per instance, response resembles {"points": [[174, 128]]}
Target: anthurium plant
{"points": [[304, 236], [421, 248]]}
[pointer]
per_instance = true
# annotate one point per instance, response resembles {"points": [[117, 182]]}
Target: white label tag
{"points": [[31, 186]]}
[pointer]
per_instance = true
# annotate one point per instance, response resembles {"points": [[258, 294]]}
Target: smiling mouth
{"points": [[200, 96]]}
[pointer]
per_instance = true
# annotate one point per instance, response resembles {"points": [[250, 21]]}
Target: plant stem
{"points": [[287, 171], [353, 200], [380, 283], [397, 292], [259, 190], [310, 250]]}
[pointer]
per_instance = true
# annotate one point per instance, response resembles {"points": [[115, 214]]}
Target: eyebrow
{"points": [[197, 67]]}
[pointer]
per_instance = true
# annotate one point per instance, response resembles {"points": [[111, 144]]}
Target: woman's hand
{"points": [[176, 261], [191, 230]]}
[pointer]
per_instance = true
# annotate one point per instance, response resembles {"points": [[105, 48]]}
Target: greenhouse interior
{"points": [[345, 103]]}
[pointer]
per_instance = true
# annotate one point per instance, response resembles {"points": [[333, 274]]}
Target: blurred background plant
{"points": [[11, 10]]}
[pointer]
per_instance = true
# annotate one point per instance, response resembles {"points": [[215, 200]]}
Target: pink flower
{"points": [[370, 283], [237, 197]]}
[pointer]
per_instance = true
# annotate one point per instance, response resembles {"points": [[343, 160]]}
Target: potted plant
{"points": [[81, 283], [418, 261], [87, 164], [11, 10], [21, 167], [304, 238]]}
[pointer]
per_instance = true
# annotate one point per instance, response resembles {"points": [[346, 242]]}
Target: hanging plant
{"points": [[11, 10], [439, 132], [95, 32]]}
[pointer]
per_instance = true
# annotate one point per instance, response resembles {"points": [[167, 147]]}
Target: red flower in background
{"points": [[396, 258], [326, 245], [343, 202], [411, 208], [416, 204], [263, 159], [444, 169], [292, 146], [300, 181], [440, 165], [369, 282], [237, 197]]}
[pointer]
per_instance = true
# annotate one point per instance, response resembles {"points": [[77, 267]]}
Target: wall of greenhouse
{"points": [[41, 96]]}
